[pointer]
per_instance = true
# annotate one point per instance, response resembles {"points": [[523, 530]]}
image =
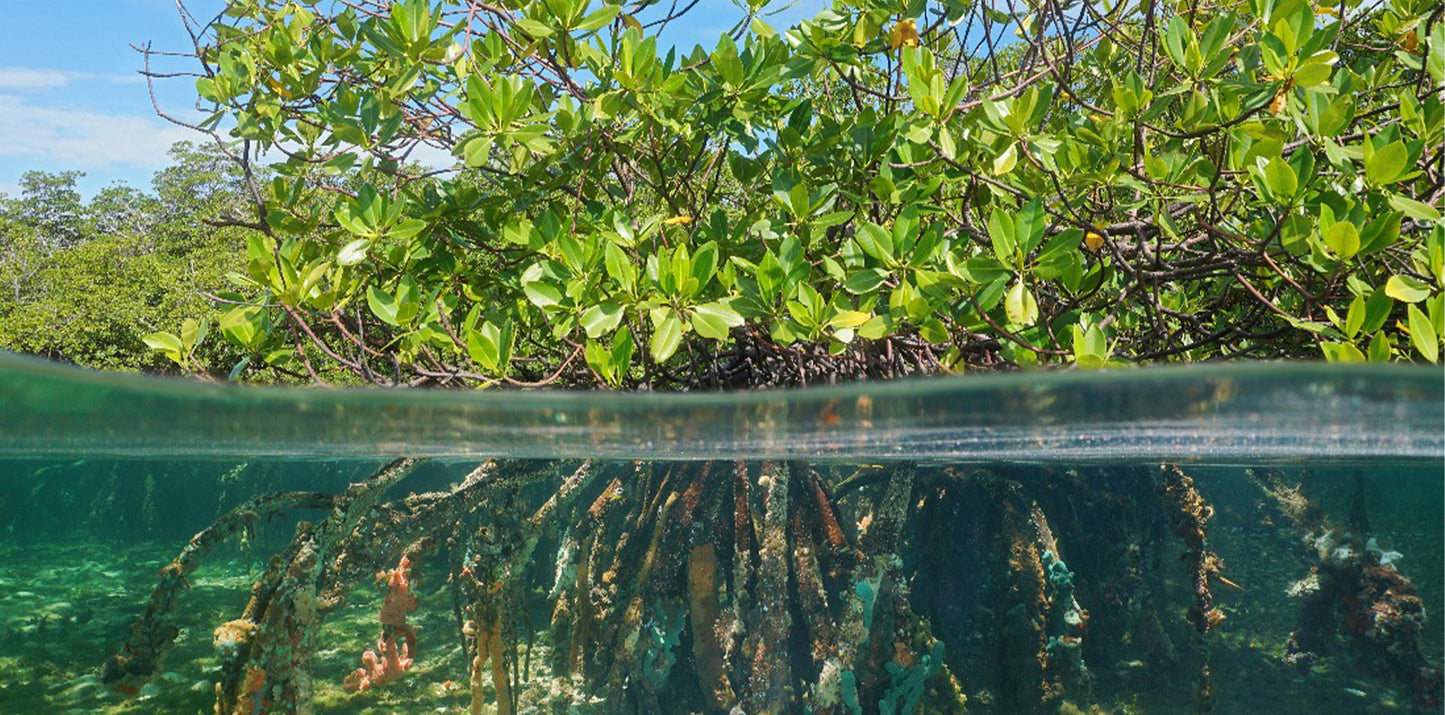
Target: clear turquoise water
{"points": [[866, 549]]}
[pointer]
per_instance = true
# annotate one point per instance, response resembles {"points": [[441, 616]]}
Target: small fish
{"points": [[829, 414]]}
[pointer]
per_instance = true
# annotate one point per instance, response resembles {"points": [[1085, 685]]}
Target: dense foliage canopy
{"points": [[888, 188], [85, 281]]}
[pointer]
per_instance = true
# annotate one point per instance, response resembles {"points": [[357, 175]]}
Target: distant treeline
{"points": [[83, 281]]}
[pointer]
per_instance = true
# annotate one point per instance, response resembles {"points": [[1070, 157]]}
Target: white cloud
{"points": [[28, 79], [31, 79], [84, 139]]}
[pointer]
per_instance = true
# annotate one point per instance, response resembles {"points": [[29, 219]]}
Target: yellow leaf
{"points": [[903, 33], [677, 220], [278, 88], [1094, 241], [1277, 105]]}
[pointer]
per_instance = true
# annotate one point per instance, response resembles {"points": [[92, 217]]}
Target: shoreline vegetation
{"points": [[885, 189]]}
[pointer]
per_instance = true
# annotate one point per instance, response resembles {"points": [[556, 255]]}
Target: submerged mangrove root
{"points": [[273, 666], [1067, 621], [770, 678], [774, 587], [487, 633], [1027, 686], [742, 581], [152, 635], [703, 614], [1355, 589], [1189, 514]]}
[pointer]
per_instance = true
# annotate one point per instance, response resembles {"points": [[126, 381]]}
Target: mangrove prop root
{"points": [[1359, 518], [865, 641], [694, 508], [532, 530], [1290, 501], [238, 688], [742, 560], [1381, 616], [560, 501], [818, 537], [770, 682], [500, 545], [617, 547], [413, 526], [489, 648], [571, 563], [840, 553], [1067, 621], [1189, 515], [671, 587], [812, 592], [571, 555], [703, 612], [576, 631], [1353, 587], [152, 635], [1024, 641], [904, 668], [276, 668], [626, 656]]}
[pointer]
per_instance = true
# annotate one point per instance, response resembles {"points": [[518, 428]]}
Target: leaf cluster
{"points": [[887, 188]]}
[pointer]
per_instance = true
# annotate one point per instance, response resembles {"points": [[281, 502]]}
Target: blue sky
{"points": [[71, 97]]}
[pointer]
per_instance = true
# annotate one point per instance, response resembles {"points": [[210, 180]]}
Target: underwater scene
{"points": [[1231, 540]]}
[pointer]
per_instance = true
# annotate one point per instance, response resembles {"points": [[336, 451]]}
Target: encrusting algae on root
{"points": [[1188, 515], [1353, 590]]}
